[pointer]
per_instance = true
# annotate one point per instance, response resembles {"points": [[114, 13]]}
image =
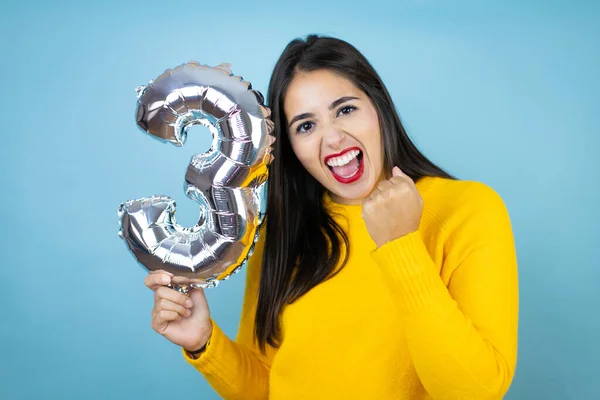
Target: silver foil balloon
{"points": [[228, 181]]}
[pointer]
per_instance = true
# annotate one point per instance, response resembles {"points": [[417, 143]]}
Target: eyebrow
{"points": [[333, 105]]}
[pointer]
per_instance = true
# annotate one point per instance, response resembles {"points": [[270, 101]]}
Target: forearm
{"points": [[233, 370], [452, 356]]}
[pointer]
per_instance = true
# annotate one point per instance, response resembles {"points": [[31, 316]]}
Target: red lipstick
{"points": [[341, 153], [357, 174]]}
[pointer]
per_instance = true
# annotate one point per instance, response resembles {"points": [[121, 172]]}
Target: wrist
{"points": [[195, 351], [382, 241]]}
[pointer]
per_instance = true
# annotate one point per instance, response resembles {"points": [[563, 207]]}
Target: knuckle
{"points": [[163, 304], [177, 308], [153, 279], [151, 282], [181, 299], [158, 304], [404, 187], [161, 292], [386, 184]]}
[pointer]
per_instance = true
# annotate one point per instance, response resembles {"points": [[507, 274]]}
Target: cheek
{"points": [[305, 152], [368, 127], [375, 140], [373, 121]]}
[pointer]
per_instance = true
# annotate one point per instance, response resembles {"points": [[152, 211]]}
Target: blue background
{"points": [[501, 92]]}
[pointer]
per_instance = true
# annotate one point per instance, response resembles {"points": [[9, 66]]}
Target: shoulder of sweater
{"points": [[451, 202]]}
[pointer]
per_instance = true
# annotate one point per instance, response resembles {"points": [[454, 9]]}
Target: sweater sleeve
{"points": [[462, 336], [237, 369]]}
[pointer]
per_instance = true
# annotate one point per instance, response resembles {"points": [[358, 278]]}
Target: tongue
{"points": [[348, 169]]}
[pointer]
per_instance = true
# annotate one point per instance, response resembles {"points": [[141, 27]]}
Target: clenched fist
{"points": [[393, 209]]}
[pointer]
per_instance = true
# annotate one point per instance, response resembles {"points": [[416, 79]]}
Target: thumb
{"points": [[200, 307], [396, 172]]}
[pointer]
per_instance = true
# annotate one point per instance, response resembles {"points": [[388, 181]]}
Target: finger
{"points": [[372, 198], [198, 297], [172, 295], [156, 280], [384, 185], [162, 317], [164, 304], [398, 173], [367, 207], [402, 180]]}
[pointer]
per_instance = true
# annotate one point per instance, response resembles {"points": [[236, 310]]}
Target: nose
{"points": [[333, 137]]}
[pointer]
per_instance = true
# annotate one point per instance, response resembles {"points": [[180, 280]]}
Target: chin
{"points": [[349, 195]]}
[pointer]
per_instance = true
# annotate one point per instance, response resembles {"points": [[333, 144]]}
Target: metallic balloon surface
{"points": [[228, 181]]}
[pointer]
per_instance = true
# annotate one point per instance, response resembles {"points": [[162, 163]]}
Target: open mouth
{"points": [[347, 167]]}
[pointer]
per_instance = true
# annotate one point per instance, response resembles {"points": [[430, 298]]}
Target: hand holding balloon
{"points": [[393, 209], [183, 320]]}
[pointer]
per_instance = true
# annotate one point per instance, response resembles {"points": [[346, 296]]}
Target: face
{"points": [[334, 132]]}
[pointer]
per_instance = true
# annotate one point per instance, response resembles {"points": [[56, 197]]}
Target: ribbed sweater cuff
{"points": [[208, 361], [410, 273]]}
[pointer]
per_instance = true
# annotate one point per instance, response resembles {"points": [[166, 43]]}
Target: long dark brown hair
{"points": [[303, 244]]}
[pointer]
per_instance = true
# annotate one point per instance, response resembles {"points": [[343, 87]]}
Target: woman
{"points": [[378, 275]]}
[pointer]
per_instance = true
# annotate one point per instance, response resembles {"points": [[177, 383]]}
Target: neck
{"points": [[345, 201], [334, 198]]}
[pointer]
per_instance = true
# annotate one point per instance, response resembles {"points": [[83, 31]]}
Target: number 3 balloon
{"points": [[228, 181]]}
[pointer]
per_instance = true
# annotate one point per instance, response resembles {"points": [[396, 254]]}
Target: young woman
{"points": [[377, 276]]}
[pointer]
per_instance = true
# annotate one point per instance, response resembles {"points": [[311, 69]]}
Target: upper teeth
{"points": [[342, 160]]}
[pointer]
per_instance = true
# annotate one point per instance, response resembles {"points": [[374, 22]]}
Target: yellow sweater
{"points": [[431, 315]]}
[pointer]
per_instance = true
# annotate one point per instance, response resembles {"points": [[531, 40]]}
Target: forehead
{"points": [[309, 91]]}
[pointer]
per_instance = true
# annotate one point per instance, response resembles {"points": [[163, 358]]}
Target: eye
{"points": [[304, 127], [346, 110]]}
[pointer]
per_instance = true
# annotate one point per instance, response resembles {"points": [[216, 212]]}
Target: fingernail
{"points": [[188, 313], [165, 280], [188, 303]]}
